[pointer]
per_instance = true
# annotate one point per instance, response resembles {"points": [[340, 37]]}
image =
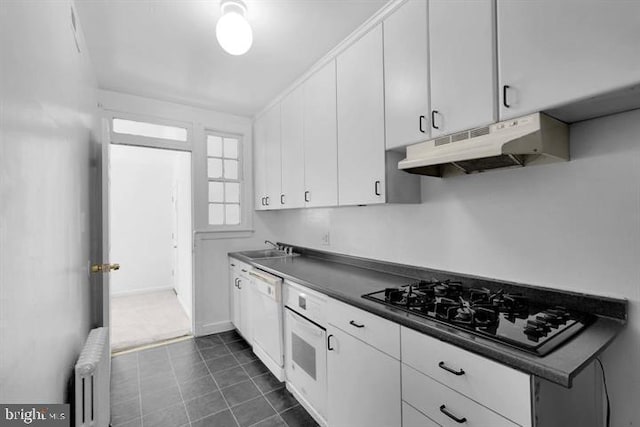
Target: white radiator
{"points": [[92, 377]]}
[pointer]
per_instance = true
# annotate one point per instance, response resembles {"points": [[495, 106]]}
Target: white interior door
{"points": [[100, 230]]}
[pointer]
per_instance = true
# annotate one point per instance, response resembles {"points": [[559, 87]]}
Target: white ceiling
{"points": [[167, 49]]}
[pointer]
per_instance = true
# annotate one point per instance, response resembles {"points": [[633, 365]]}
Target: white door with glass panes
{"points": [[320, 138], [462, 60], [555, 52], [224, 174], [292, 195]]}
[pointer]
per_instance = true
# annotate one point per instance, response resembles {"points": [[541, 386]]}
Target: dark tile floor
{"points": [[212, 381]]}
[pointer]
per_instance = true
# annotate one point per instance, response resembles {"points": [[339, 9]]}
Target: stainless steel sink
{"points": [[267, 253]]}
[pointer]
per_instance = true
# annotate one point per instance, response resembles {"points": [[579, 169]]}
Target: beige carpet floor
{"points": [[142, 319]]}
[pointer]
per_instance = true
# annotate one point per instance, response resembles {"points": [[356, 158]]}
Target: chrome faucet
{"points": [[269, 242]]}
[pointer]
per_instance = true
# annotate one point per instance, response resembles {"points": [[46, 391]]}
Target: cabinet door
{"points": [[555, 52], [236, 302], [462, 58], [234, 294], [320, 138], [244, 286], [363, 383], [273, 166], [292, 151], [361, 157], [406, 75], [259, 163]]}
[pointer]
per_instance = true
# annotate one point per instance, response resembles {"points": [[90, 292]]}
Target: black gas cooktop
{"points": [[508, 318]]}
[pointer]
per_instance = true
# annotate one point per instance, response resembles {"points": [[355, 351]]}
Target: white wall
{"points": [[572, 225], [47, 112], [141, 215]]}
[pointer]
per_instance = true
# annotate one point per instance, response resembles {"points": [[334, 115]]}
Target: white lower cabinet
{"points": [[363, 368], [363, 383], [444, 405], [241, 298], [504, 390]]}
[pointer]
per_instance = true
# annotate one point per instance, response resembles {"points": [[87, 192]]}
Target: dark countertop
{"points": [[348, 283]]}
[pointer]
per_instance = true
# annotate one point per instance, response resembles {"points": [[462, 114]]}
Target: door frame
{"points": [[148, 142]]}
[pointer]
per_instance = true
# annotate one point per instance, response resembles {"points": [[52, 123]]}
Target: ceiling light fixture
{"points": [[233, 31]]}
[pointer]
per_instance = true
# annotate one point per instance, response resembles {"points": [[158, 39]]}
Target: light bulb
{"points": [[234, 33]]}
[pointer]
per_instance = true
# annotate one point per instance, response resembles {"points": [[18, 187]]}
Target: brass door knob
{"points": [[104, 268]]}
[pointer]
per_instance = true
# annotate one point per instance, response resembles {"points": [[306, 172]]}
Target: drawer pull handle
{"points": [[444, 410], [448, 369], [329, 343], [357, 325]]}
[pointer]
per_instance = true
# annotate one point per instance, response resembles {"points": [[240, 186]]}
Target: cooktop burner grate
{"points": [[508, 318]]}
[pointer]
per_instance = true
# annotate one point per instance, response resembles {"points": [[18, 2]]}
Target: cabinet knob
{"points": [[376, 188], [329, 343], [306, 196], [266, 201], [421, 123], [282, 199]]}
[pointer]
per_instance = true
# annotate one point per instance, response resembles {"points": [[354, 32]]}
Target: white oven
{"points": [[306, 349]]}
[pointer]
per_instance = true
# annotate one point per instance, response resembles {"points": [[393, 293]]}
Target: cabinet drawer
{"points": [[374, 330], [436, 401], [239, 266], [411, 417], [501, 388]]}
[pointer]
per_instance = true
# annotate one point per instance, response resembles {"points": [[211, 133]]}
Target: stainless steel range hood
{"points": [[536, 138]]}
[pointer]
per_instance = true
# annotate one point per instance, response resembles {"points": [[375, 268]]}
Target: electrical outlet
{"points": [[325, 239]]}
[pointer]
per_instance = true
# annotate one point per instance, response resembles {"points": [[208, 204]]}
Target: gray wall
{"points": [[572, 225], [47, 91]]}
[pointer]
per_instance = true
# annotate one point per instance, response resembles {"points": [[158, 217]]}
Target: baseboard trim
{"points": [[213, 328], [141, 291]]}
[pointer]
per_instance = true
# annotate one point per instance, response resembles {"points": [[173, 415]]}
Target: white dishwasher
{"points": [[267, 320]]}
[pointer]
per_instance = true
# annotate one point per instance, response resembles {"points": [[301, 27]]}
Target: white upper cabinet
{"points": [[260, 162], [320, 138], [406, 75], [555, 52], [361, 147], [293, 166], [462, 62], [273, 164]]}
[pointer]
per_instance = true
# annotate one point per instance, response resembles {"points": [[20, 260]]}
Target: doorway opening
{"points": [[150, 227]]}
